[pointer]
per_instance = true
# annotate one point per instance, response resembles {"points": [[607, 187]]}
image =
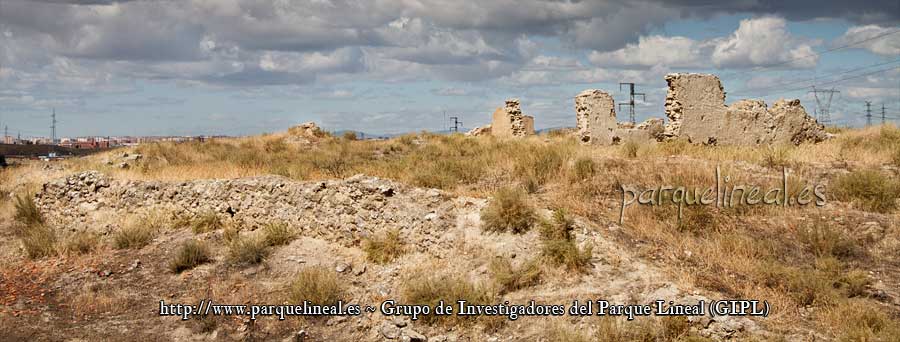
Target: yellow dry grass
{"points": [[757, 252]]}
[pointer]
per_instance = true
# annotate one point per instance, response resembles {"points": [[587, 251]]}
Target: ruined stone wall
{"points": [[596, 121], [695, 106], [595, 113], [509, 121], [342, 211]]}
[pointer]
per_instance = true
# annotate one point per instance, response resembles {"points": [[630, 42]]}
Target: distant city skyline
{"points": [[240, 67]]}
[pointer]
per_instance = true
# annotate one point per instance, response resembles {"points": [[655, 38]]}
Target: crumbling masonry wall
{"points": [[695, 106], [509, 121], [596, 121]]}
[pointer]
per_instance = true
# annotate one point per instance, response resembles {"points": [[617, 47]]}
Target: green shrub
{"points": [[385, 247], [868, 190], [190, 254], [318, 285], [508, 211], [350, 135]]}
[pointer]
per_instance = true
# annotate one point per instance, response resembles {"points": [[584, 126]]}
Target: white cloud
{"points": [[760, 42], [653, 50], [887, 45]]}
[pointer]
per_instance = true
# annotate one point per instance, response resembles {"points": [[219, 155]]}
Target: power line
{"points": [[755, 69], [764, 90]]}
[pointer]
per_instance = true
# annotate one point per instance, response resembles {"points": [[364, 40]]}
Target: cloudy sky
{"points": [[234, 67]]}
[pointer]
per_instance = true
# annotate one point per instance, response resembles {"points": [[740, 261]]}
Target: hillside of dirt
{"points": [[93, 245]]}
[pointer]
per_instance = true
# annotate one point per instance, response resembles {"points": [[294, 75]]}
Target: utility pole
{"points": [[882, 114], [630, 103], [823, 104], [868, 113], [53, 127], [456, 124]]}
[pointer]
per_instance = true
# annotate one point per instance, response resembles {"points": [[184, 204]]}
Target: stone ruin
{"points": [[695, 106], [597, 124], [508, 121]]}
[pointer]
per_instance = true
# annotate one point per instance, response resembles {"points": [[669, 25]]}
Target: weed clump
{"points": [[37, 238], [430, 289], [868, 190], [248, 250], [278, 234], [585, 168], [317, 285], [384, 248], [510, 278], [558, 245], [133, 235], [27, 212], [80, 243], [206, 222], [508, 211], [191, 254]]}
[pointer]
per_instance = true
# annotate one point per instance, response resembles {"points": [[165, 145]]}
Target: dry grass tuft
{"points": [[427, 288], [206, 222], [510, 279], [508, 211], [385, 247], [38, 240], [630, 149], [248, 250], [868, 190], [558, 246], [318, 285], [585, 168], [278, 234], [80, 243], [190, 254], [134, 235], [27, 212]]}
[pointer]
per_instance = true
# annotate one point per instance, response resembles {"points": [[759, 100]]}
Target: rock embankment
{"points": [[342, 211]]}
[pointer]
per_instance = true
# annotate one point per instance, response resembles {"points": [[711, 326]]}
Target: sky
{"points": [[242, 67]]}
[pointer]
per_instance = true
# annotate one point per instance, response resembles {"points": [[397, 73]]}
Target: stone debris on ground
{"points": [[343, 211]]}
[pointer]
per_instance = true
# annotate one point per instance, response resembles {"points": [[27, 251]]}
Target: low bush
{"points": [[385, 247], [508, 211], [206, 222], [318, 285], [248, 250], [133, 235], [868, 190], [278, 234], [190, 254], [510, 278]]}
